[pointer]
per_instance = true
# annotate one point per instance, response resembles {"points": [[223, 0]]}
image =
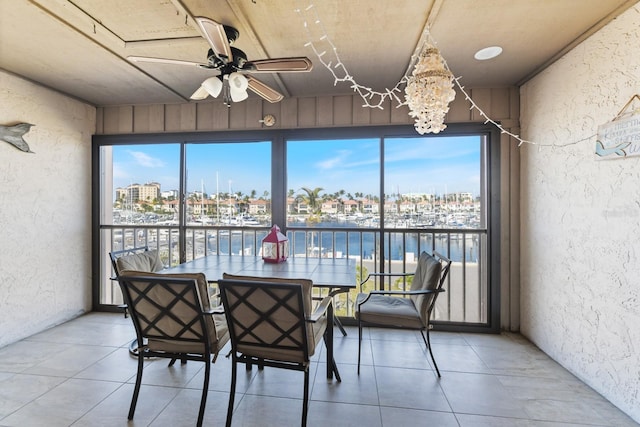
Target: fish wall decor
{"points": [[13, 135]]}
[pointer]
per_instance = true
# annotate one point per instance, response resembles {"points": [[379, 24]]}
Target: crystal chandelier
{"points": [[429, 91]]}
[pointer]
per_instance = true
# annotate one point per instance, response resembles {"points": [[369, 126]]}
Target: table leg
{"points": [[333, 292], [332, 368]]}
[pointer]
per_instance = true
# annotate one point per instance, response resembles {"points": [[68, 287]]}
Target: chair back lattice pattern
{"points": [[168, 312], [266, 320]]}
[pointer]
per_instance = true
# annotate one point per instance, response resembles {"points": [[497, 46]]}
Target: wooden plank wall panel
{"points": [[307, 112], [288, 115], [514, 103], [324, 113], [513, 281], [172, 118], [118, 119], [221, 117], [501, 104], [188, 116], [204, 116], [400, 115], [505, 233], [180, 117], [99, 120], [342, 110], [253, 113], [237, 115], [141, 118], [482, 98], [459, 111], [156, 118], [361, 115], [381, 116]]}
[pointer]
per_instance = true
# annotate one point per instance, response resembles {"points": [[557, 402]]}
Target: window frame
{"points": [[278, 139]]}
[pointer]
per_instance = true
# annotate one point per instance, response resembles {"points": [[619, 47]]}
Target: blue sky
{"points": [[418, 165]]}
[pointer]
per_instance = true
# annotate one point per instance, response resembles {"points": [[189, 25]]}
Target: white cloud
{"points": [[145, 160], [334, 162]]}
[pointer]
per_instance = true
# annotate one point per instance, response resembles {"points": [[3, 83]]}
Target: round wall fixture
{"points": [[269, 120]]}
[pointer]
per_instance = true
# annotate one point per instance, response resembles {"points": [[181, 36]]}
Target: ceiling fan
{"points": [[234, 70]]}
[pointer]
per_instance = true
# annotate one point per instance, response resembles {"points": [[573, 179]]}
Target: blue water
{"points": [[364, 242]]}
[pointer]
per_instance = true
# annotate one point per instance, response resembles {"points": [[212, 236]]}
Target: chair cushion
{"points": [[315, 330], [147, 261], [388, 310], [427, 277], [216, 324]]}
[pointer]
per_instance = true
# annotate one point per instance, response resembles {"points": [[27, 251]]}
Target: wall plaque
{"points": [[620, 137]]}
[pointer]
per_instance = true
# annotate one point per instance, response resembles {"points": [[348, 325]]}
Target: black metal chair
{"points": [[410, 309], [172, 316], [271, 324]]}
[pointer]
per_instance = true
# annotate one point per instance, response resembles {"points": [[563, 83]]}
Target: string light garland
{"points": [[328, 56]]}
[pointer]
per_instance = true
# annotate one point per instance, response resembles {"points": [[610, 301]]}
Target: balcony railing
{"points": [[395, 250]]}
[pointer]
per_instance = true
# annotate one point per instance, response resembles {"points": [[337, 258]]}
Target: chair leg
{"points": [[335, 370], [232, 393], [359, 342], [136, 389], [205, 390], [338, 323], [332, 366], [305, 401], [427, 342]]}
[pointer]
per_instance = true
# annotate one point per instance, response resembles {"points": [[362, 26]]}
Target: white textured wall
{"points": [[45, 217], [580, 251]]}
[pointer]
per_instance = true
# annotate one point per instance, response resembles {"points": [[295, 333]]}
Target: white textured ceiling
{"points": [[80, 47]]}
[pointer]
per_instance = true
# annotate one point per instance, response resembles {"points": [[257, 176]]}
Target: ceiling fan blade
{"points": [[264, 91], [279, 65], [216, 36], [166, 61]]}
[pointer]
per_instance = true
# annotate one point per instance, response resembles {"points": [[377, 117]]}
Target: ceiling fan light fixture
{"points": [[213, 85], [488, 53], [238, 85], [238, 82], [238, 95]]}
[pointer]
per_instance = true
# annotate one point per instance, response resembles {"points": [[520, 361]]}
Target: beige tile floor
{"points": [[80, 374]]}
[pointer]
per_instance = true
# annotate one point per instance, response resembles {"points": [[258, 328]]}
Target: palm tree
{"points": [[312, 198]]}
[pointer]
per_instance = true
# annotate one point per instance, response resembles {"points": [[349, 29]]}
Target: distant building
{"points": [[258, 206], [135, 193], [169, 194]]}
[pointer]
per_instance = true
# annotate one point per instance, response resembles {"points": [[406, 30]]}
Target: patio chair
{"points": [[271, 324], [137, 259], [173, 318], [409, 309]]}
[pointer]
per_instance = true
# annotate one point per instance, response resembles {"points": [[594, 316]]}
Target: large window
{"points": [[380, 196]]}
